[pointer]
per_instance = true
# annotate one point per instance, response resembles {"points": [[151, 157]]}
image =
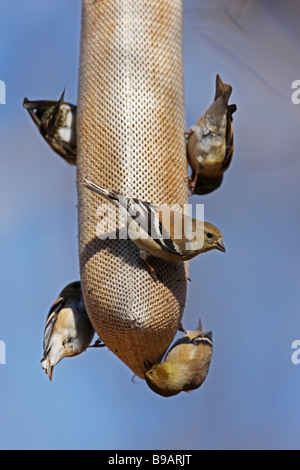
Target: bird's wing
{"points": [[200, 337], [34, 116], [216, 112], [37, 109], [51, 320], [181, 231], [42, 105], [194, 338], [151, 220], [57, 111], [229, 137], [172, 229], [183, 340]]}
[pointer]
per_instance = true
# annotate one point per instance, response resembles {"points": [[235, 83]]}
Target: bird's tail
{"points": [[223, 89], [48, 368], [57, 109], [111, 195], [200, 325]]}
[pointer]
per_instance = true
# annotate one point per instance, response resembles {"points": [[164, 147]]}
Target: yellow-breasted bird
{"points": [[68, 330], [56, 121], [161, 232], [185, 367], [210, 142]]}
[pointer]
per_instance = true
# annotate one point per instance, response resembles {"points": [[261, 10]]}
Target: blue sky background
{"points": [[249, 297]]}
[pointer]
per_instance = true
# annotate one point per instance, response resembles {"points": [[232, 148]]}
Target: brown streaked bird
{"points": [[68, 330], [56, 121], [160, 231], [210, 142], [185, 367]]}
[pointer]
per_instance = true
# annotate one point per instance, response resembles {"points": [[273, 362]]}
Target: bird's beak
{"points": [[220, 246]]}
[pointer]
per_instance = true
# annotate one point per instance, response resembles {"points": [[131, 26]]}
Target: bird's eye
{"points": [[209, 235]]}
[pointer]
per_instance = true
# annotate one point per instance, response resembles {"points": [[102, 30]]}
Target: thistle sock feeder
{"points": [[131, 123]]}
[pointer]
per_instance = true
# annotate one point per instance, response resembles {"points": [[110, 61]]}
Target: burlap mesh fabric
{"points": [[131, 124]]}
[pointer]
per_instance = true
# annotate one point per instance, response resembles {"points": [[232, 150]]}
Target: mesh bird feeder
{"points": [[131, 123]]}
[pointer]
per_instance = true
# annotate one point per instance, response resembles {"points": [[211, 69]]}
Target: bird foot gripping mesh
{"points": [[131, 123]]}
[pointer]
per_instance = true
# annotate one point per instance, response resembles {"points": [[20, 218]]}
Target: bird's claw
{"points": [[98, 344], [180, 328], [191, 185], [151, 269], [188, 134]]}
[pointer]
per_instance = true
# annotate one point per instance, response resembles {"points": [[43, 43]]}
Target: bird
{"points": [[68, 330], [210, 142], [56, 121], [185, 367], [161, 231]]}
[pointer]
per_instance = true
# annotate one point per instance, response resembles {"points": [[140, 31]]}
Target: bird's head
{"points": [[213, 238], [72, 290], [163, 379]]}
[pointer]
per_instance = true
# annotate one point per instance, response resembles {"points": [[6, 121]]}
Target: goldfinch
{"points": [[185, 366], [210, 142], [68, 329], [160, 231], [56, 121]]}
